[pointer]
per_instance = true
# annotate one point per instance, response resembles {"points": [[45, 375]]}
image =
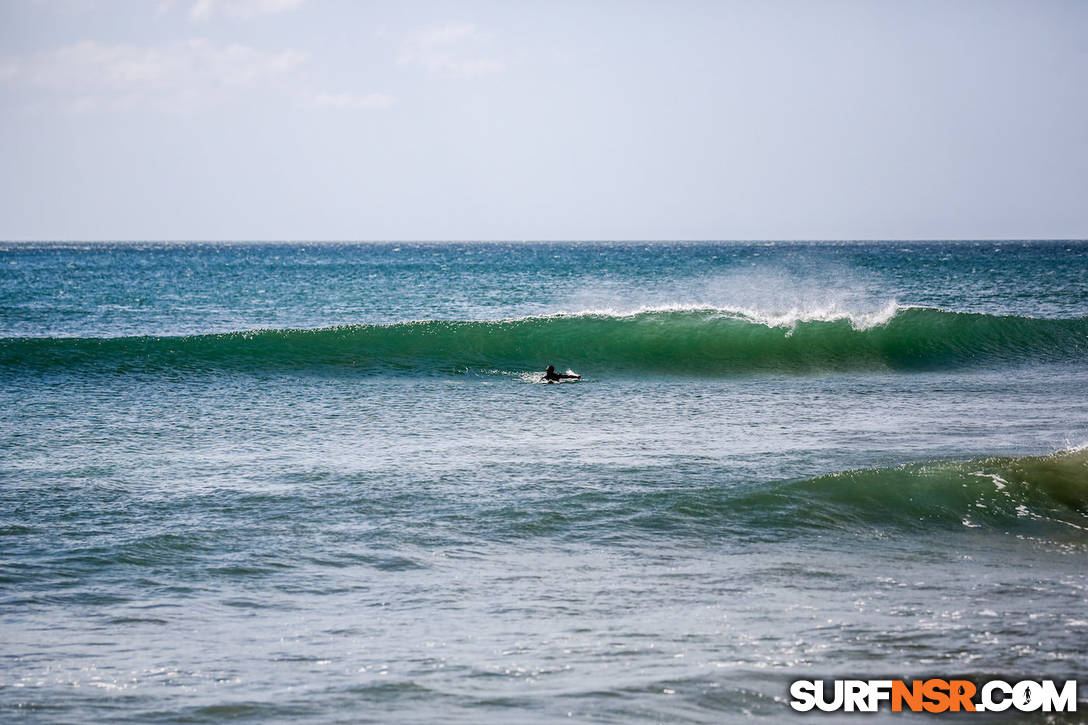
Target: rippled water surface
{"points": [[782, 461]]}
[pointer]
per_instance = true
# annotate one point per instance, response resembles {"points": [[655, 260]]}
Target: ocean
{"points": [[326, 483]]}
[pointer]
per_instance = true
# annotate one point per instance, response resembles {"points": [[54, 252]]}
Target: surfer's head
{"points": [[551, 369]]}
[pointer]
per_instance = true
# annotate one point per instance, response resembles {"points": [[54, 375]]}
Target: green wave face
{"points": [[1044, 498], [1041, 497], [692, 342], [1042, 494]]}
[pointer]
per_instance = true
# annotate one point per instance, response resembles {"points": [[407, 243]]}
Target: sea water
{"points": [[325, 482]]}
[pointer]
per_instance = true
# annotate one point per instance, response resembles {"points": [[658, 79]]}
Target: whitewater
{"points": [[311, 482]]}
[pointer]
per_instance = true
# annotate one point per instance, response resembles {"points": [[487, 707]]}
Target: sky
{"points": [[517, 120]]}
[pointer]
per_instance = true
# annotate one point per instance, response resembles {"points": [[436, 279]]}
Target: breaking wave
{"points": [[712, 342]]}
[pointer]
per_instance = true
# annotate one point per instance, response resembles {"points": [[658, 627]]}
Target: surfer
{"points": [[553, 377]]}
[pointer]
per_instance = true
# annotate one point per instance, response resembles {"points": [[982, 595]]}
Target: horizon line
{"points": [[818, 240]]}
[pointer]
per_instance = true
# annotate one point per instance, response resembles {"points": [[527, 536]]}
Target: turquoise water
{"points": [[313, 483]]}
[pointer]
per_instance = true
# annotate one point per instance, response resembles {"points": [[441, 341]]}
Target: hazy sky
{"points": [[353, 120]]}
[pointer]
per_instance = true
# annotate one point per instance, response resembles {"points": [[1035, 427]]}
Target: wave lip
{"points": [[699, 341], [859, 320]]}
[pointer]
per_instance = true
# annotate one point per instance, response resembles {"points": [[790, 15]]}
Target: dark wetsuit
{"points": [[551, 376]]}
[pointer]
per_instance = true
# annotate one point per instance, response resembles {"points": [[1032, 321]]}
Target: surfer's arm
{"points": [[575, 377]]}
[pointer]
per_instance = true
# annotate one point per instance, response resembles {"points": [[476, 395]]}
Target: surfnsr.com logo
{"points": [[934, 696]]}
